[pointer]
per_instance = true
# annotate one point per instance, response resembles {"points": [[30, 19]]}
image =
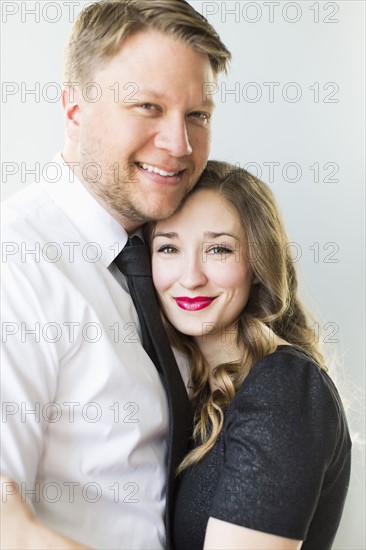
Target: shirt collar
{"points": [[94, 223]]}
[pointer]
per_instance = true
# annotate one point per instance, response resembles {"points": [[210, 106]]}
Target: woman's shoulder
{"points": [[286, 363], [287, 397], [289, 379], [286, 354]]}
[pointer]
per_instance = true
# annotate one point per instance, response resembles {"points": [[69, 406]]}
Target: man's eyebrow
{"points": [[147, 91], [203, 102], [213, 235], [208, 102], [169, 235]]}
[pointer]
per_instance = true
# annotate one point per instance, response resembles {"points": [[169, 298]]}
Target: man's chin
{"points": [[138, 215], [160, 213], [131, 220]]}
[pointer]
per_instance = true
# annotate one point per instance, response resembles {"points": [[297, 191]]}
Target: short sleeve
{"points": [[28, 376], [280, 436]]}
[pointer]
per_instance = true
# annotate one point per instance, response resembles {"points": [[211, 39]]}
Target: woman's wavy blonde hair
{"points": [[273, 303]]}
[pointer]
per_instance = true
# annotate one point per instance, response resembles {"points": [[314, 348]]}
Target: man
{"points": [[85, 415]]}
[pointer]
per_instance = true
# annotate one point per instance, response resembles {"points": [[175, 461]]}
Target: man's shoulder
{"points": [[24, 202], [34, 230], [31, 213]]}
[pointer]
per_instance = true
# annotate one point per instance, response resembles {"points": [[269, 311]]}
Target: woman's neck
{"points": [[217, 349], [222, 347]]}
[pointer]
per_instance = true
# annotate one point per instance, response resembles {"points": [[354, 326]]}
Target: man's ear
{"points": [[71, 104]]}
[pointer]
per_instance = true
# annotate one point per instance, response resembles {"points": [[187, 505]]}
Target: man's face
{"points": [[148, 136]]}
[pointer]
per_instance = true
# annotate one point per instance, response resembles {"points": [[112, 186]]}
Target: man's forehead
{"points": [[137, 69]]}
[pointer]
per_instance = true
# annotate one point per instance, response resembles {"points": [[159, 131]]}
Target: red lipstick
{"points": [[194, 304]]}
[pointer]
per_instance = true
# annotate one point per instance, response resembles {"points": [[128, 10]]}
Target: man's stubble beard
{"points": [[110, 190], [117, 197], [115, 191]]}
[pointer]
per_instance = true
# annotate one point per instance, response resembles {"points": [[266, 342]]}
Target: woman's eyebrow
{"points": [[169, 235], [206, 234], [214, 235]]}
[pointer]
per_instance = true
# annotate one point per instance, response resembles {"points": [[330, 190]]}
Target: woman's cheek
{"points": [[231, 274], [163, 274], [157, 272]]}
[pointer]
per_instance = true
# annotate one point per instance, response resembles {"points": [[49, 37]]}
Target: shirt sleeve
{"points": [[279, 440], [29, 372]]}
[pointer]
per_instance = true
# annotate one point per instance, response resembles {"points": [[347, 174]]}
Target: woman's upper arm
{"points": [[221, 535], [278, 446]]}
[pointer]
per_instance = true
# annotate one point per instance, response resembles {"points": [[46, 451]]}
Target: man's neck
{"points": [[69, 156]]}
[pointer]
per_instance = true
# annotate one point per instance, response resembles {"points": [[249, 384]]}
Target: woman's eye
{"points": [[219, 249], [167, 249]]}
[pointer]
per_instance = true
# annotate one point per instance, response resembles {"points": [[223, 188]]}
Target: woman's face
{"points": [[200, 268]]}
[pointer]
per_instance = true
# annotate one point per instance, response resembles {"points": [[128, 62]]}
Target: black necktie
{"points": [[134, 262]]}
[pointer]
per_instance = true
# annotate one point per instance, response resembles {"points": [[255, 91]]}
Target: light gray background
{"points": [[312, 53]]}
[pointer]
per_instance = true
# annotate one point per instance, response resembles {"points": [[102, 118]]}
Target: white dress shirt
{"points": [[84, 412]]}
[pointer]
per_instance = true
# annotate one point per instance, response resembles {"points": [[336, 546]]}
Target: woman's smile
{"points": [[194, 304]]}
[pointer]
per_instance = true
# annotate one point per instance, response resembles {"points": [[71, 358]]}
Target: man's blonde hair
{"points": [[100, 29]]}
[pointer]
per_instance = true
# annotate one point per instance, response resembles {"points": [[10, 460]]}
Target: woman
{"points": [[270, 461]]}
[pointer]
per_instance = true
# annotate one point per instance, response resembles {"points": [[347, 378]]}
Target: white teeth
{"points": [[150, 168]]}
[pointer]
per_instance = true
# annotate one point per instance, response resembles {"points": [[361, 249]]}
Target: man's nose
{"points": [[173, 136]]}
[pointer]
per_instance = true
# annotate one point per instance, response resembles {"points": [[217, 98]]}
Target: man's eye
{"points": [[203, 117], [167, 249], [149, 106]]}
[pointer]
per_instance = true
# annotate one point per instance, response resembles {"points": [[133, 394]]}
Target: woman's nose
{"points": [[193, 274]]}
